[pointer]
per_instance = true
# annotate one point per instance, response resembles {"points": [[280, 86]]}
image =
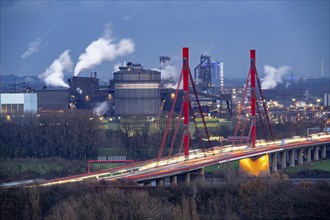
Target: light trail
{"points": [[177, 164]]}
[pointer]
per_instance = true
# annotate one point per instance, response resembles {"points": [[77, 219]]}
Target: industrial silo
{"points": [[136, 91]]}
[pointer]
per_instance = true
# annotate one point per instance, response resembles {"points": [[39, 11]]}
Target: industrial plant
{"points": [[148, 93]]}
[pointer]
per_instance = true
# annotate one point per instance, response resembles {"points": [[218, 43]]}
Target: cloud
{"points": [[127, 17], [54, 74], [33, 48], [103, 49], [273, 76]]}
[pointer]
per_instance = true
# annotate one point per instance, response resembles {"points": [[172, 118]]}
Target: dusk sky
{"points": [[290, 33]]}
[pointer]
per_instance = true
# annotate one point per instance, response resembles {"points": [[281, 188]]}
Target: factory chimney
{"points": [[163, 60], [221, 78]]}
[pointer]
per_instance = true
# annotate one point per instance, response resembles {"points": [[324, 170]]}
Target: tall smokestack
{"points": [[221, 78]]}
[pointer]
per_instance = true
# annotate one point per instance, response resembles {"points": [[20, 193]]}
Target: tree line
{"points": [[77, 135], [252, 198], [70, 135]]}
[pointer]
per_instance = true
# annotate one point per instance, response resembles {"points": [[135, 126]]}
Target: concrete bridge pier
{"points": [[309, 155], [300, 156], [292, 163], [324, 152], [274, 161], [283, 159], [197, 175], [202, 172], [316, 153], [173, 180], [186, 178], [160, 182]]}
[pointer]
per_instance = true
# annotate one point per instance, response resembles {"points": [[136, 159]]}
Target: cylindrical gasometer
{"points": [[136, 91]]}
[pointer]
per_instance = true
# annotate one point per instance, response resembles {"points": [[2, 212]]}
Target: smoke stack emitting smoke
{"points": [[54, 74], [168, 71], [103, 49], [273, 76], [97, 52]]}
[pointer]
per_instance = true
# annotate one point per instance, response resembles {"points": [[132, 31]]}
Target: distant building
{"points": [[327, 99], [18, 103], [86, 93], [167, 96], [215, 73], [53, 100]]}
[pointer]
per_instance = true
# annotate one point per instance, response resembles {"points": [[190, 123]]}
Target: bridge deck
{"points": [[169, 166]]}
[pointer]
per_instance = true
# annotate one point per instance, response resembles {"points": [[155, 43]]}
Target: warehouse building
{"points": [[18, 103]]}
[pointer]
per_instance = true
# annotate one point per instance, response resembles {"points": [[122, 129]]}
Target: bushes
{"points": [[254, 198]]}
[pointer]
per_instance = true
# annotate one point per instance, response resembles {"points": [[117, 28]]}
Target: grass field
{"points": [[103, 166], [222, 167], [319, 165], [20, 169]]}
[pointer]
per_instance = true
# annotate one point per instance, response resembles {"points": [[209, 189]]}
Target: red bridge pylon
{"points": [[249, 108], [186, 108]]}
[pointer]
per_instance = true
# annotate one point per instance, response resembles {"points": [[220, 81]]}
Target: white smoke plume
{"points": [[116, 67], [79, 90], [168, 70], [273, 76], [101, 108], [33, 48], [103, 49], [54, 74]]}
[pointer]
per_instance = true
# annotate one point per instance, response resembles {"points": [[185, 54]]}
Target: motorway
{"points": [[177, 164]]}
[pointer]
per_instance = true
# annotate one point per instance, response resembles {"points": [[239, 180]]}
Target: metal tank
{"points": [[136, 91]]}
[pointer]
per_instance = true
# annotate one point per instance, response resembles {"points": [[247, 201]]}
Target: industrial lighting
{"points": [[172, 95], [255, 167]]}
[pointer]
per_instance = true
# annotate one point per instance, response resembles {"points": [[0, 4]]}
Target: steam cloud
{"points": [[273, 76], [79, 90], [54, 74], [33, 48], [168, 70], [103, 49], [116, 67], [101, 108]]}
